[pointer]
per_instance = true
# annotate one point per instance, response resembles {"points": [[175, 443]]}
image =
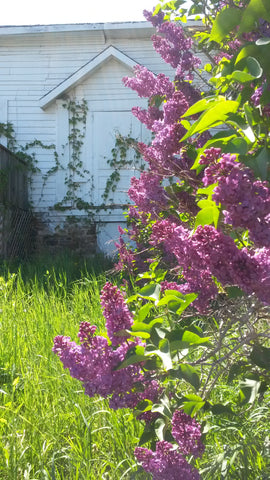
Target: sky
{"points": [[36, 12]]}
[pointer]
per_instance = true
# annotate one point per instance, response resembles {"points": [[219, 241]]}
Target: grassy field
{"points": [[48, 428]]}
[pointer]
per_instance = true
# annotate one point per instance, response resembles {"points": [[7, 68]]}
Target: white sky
{"points": [[33, 12]]}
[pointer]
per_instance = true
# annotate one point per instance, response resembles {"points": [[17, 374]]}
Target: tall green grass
{"points": [[48, 428]]}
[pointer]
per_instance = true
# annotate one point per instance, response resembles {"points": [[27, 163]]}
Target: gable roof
{"points": [[83, 72]]}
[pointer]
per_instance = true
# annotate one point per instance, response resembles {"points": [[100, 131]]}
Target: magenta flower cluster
{"points": [[187, 433], [165, 462], [94, 361], [117, 315], [169, 462], [245, 200], [148, 194], [174, 47], [201, 258]]}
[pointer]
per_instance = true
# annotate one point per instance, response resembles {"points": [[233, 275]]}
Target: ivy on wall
{"points": [[75, 171], [119, 160]]}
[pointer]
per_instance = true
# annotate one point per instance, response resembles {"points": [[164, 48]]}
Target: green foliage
{"points": [[119, 160]]}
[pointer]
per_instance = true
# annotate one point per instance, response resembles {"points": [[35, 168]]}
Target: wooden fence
{"points": [[15, 215]]}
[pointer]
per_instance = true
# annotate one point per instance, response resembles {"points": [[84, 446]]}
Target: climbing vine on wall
{"points": [[119, 160], [75, 171]]}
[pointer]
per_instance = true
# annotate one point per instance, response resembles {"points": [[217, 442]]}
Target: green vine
{"points": [[118, 161], [7, 131], [77, 122]]}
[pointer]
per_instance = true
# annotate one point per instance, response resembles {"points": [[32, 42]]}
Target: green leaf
{"points": [[132, 360], [235, 370], [261, 356], [254, 67], [249, 50], [255, 10], [192, 404], [194, 339], [236, 145], [263, 162], [207, 216], [165, 354], [249, 390], [207, 190], [188, 373], [176, 301], [248, 114], [263, 41], [224, 23], [139, 334], [143, 406], [203, 104], [155, 321], [160, 427], [143, 312], [220, 409], [134, 355], [186, 124], [153, 363], [140, 326], [152, 290], [163, 407], [158, 333], [214, 116], [148, 434], [257, 52], [240, 76], [234, 292], [205, 203], [181, 339], [260, 163]]}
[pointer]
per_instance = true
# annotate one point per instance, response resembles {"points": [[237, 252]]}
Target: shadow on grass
{"points": [[67, 264]]}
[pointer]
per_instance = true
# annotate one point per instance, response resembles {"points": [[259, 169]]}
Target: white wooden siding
{"points": [[33, 64]]}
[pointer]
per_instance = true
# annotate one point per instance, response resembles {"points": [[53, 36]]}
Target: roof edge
{"points": [[70, 27], [80, 27]]}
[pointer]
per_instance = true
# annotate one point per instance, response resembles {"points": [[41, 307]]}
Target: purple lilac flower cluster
{"points": [[210, 155], [256, 98], [174, 47], [148, 194], [187, 432], [201, 257], [148, 85], [246, 201], [167, 461], [126, 260], [116, 313], [94, 362]]}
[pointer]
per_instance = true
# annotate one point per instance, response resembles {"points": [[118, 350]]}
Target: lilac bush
{"points": [[200, 269]]}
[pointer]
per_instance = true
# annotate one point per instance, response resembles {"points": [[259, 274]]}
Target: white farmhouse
{"points": [[49, 76]]}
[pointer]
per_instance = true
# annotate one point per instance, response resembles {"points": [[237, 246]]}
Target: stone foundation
{"points": [[78, 236]]}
